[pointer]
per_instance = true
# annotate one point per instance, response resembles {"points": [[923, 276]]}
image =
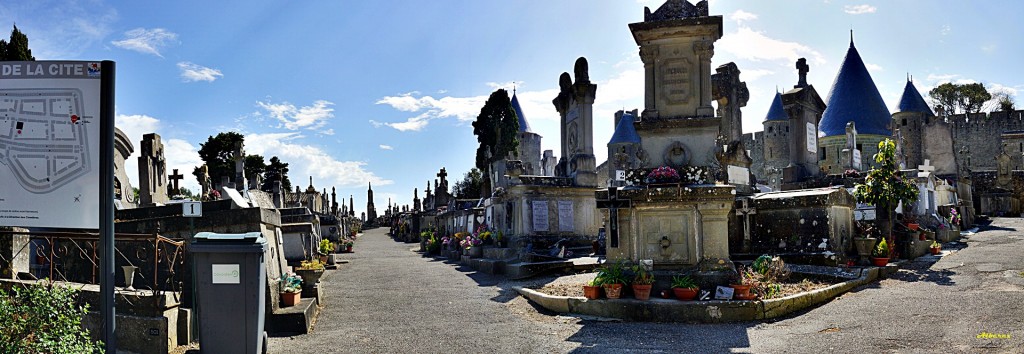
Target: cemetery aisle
{"points": [[389, 299]]}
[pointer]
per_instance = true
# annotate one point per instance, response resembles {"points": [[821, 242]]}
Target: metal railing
{"points": [[73, 257]]}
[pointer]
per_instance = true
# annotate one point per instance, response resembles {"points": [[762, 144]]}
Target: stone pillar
{"points": [[239, 157], [152, 171], [648, 56], [705, 49], [574, 104], [713, 242], [278, 196], [14, 254]]}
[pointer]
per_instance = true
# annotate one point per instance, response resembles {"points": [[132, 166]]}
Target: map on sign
{"points": [[50, 144], [43, 138]]}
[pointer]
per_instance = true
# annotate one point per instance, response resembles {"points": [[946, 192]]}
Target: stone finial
{"points": [[564, 82], [582, 70]]}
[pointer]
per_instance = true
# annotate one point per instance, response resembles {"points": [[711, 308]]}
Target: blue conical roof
{"points": [[624, 131], [776, 111], [912, 100], [854, 98], [523, 125]]}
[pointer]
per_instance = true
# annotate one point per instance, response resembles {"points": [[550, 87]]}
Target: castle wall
{"points": [[979, 135]]}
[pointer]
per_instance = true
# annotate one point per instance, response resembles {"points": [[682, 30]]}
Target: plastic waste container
{"points": [[231, 281]]}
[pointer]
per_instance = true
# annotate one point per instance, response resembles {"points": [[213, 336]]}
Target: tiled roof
{"points": [[855, 98]]}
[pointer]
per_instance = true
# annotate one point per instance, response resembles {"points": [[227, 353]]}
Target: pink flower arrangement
{"points": [[663, 174], [470, 242]]}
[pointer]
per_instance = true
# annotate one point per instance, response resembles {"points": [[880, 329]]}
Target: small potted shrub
{"points": [[881, 254], [348, 246], [642, 283], [592, 290], [684, 287], [613, 280], [310, 271], [326, 248], [291, 290], [742, 290], [936, 247]]}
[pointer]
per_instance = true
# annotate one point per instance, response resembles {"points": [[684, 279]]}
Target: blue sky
{"points": [[353, 92]]}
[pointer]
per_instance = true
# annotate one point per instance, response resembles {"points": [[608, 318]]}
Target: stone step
{"points": [[296, 319], [489, 266], [528, 269], [499, 253]]}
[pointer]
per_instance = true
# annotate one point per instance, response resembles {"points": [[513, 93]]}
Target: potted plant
{"points": [[865, 243], [291, 290], [663, 174], [613, 280], [592, 290], [642, 283], [742, 290], [326, 248], [348, 246], [885, 187], [684, 287], [936, 247], [310, 271], [473, 245], [881, 255]]}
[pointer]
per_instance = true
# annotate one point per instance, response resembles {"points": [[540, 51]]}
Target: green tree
{"points": [[471, 185], [884, 187], [495, 129], [43, 318], [1004, 102], [183, 192], [946, 97], [254, 167], [274, 169], [218, 154], [973, 97], [17, 48]]}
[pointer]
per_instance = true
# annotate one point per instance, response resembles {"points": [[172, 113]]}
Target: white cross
{"points": [[925, 169]]}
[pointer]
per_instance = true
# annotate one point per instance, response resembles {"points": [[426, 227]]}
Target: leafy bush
{"points": [[684, 282], [613, 273], [882, 250], [326, 247], [641, 276], [43, 319]]}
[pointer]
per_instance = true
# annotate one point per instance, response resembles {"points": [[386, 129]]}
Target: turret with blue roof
{"points": [[854, 98], [911, 101], [776, 111]]}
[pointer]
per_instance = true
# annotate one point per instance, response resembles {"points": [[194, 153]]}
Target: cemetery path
{"points": [[389, 299]]}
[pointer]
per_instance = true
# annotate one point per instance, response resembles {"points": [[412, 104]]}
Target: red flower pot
{"points": [[290, 299], [742, 292], [685, 293], [913, 226], [880, 262], [591, 292], [642, 291], [936, 250], [613, 291]]}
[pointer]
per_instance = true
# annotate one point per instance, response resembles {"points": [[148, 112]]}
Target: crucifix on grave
{"points": [[175, 177], [746, 211], [613, 204], [926, 169]]}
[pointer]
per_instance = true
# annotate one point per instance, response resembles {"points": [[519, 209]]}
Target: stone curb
{"points": [[714, 311]]}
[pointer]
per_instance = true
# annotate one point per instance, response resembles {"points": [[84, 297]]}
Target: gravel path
{"points": [[391, 300]]}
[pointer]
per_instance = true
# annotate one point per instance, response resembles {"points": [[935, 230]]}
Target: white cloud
{"points": [[945, 30], [307, 160], [989, 48], [294, 118], [59, 31], [147, 41], [739, 16], [386, 147], [754, 74], [941, 78], [859, 9], [464, 109], [749, 44], [873, 67], [191, 72]]}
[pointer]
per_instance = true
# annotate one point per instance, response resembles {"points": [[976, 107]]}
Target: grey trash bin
{"points": [[231, 281]]}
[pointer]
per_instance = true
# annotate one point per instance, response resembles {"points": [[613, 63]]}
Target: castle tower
{"points": [[529, 142], [853, 98], [911, 116], [624, 146], [776, 142], [371, 212]]}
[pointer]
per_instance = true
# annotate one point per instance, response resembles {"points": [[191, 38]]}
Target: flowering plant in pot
{"points": [[936, 247], [592, 290], [613, 279], [642, 283], [742, 289], [291, 290], [684, 287], [663, 174], [881, 254], [326, 248]]}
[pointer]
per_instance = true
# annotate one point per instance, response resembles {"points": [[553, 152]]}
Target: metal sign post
{"points": [[107, 302]]}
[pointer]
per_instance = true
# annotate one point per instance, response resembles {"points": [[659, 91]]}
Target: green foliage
{"points": [[885, 186], [1003, 102], [936, 244], [683, 282], [218, 154], [43, 319], [292, 283], [182, 192], [612, 273], [761, 264], [953, 98], [471, 185], [495, 129], [17, 48], [326, 247], [881, 250], [641, 276], [276, 169], [254, 166]]}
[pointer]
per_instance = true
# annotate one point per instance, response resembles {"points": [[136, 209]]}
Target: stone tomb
{"points": [[806, 226]]}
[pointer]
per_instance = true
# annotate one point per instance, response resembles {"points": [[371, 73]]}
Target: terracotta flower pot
{"points": [[913, 226], [290, 299], [742, 292], [936, 250], [642, 291], [591, 292], [880, 262], [685, 293], [613, 291]]}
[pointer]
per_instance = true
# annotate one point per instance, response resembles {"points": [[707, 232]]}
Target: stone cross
{"points": [[613, 203], [152, 171], [175, 177], [731, 94], [925, 169], [747, 211], [444, 181], [239, 156], [802, 68]]}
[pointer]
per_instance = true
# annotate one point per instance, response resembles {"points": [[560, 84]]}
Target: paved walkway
{"points": [[391, 300]]}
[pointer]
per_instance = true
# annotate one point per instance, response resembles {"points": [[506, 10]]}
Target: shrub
{"points": [[42, 318]]}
